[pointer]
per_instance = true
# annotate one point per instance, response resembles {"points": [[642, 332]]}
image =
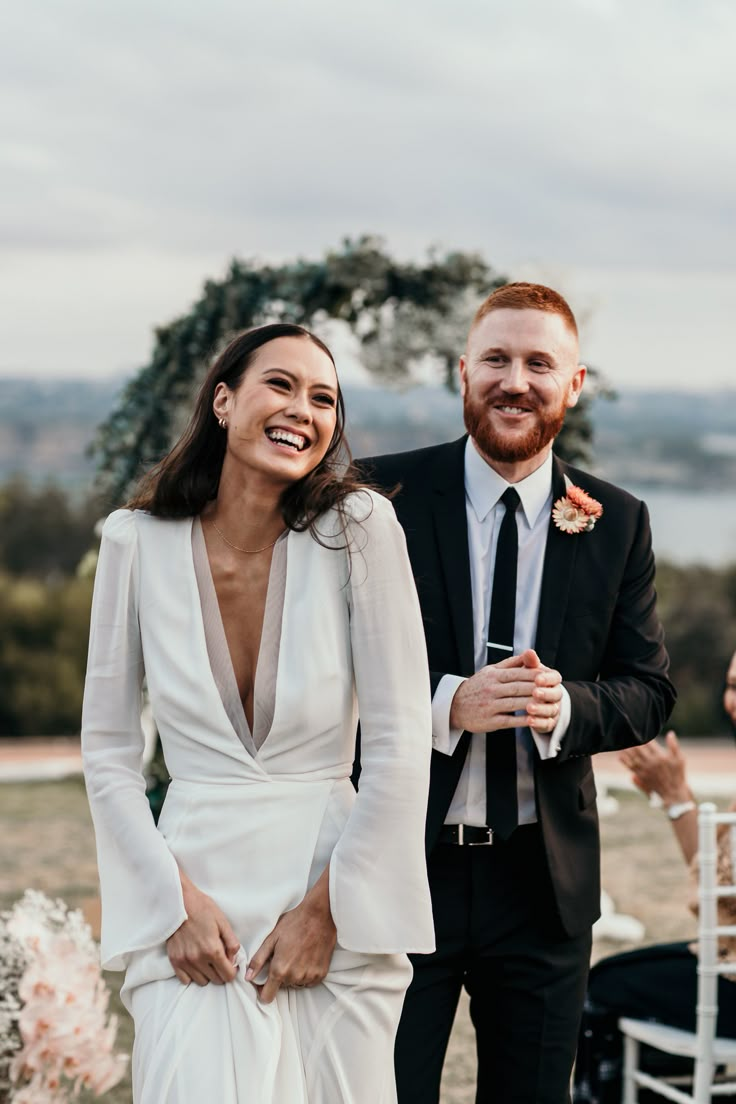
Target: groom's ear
{"points": [[462, 373], [576, 385]]}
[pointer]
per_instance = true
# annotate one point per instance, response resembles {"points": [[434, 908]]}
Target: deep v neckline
{"points": [[218, 649]]}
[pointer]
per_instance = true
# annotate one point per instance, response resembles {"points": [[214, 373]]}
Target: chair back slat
{"points": [[708, 967], [702, 1043]]}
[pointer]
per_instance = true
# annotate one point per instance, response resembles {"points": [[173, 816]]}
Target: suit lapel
{"points": [[559, 563], [451, 531]]}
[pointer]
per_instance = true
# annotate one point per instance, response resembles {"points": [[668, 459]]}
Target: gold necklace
{"points": [[249, 551]]}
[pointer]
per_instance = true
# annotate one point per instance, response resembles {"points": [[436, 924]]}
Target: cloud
{"points": [[588, 134], [586, 129]]}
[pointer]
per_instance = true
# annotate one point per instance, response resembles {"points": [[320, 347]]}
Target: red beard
{"points": [[511, 448]]}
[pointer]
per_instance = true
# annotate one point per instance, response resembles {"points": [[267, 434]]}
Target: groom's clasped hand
{"points": [[517, 691]]}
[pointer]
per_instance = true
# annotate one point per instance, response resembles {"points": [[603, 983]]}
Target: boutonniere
{"points": [[576, 511]]}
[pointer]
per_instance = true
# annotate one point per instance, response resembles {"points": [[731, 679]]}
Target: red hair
{"points": [[523, 296]]}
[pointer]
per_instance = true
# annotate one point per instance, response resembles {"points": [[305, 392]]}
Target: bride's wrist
{"points": [[189, 891], [318, 898]]}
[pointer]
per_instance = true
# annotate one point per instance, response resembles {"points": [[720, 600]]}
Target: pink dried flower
{"points": [[66, 1034]]}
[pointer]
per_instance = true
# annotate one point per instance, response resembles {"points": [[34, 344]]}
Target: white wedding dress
{"points": [[254, 819]]}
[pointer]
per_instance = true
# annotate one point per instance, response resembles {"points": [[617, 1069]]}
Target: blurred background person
{"points": [[658, 982]]}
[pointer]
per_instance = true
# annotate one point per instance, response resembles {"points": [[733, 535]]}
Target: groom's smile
{"points": [[513, 412]]}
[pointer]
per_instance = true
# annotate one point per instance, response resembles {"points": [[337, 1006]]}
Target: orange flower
{"points": [[576, 511], [586, 502]]}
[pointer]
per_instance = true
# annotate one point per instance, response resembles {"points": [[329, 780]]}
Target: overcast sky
{"points": [[586, 143]]}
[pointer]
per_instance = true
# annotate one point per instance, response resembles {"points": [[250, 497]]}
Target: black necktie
{"points": [[501, 805]]}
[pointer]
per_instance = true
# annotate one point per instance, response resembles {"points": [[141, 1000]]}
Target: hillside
{"points": [[651, 438], [46, 426]]}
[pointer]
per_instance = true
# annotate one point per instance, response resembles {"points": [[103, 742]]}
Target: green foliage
{"points": [[43, 650], [401, 313], [44, 608], [42, 532], [697, 606]]}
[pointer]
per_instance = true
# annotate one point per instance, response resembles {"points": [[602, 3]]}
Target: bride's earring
{"points": [[223, 423]]}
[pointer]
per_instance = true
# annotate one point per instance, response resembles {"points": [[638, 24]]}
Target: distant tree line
{"points": [[45, 603], [697, 606], [44, 608], [43, 531]]}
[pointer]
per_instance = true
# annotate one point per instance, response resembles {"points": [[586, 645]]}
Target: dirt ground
{"points": [[48, 845]]}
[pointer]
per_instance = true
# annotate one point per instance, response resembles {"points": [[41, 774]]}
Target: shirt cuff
{"points": [[444, 738], [549, 745]]}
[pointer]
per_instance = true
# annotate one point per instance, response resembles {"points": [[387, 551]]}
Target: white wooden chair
{"points": [[702, 1045]]}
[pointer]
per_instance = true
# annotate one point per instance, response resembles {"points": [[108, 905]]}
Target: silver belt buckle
{"points": [[481, 843]]}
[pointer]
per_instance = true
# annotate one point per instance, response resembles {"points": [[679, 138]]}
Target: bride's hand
{"points": [[203, 947], [299, 949]]}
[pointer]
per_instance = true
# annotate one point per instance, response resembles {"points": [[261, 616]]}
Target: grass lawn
{"points": [[49, 845]]}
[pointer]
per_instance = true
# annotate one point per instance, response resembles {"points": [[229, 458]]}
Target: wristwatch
{"points": [[674, 812]]}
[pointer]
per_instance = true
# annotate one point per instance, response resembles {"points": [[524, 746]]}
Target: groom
{"points": [[536, 586]]}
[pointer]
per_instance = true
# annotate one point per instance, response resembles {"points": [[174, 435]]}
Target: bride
{"points": [[266, 597]]}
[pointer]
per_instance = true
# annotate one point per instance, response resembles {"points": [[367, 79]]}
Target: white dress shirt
{"points": [[485, 511]]}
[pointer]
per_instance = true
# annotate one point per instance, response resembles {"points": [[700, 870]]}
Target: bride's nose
{"points": [[299, 408]]}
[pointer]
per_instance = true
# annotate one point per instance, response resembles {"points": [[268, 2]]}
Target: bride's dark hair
{"points": [[187, 478]]}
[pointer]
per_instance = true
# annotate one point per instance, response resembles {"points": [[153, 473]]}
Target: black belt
{"points": [[466, 835], [469, 835]]}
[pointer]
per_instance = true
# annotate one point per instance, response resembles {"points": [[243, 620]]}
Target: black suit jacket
{"points": [[597, 625]]}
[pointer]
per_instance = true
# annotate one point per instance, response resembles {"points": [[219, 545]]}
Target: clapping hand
{"points": [[659, 768]]}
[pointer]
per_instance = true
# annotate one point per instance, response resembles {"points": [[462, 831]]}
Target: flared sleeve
{"points": [[142, 903], [378, 877]]}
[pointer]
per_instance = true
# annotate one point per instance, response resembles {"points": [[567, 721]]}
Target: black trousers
{"points": [[652, 983], [499, 936]]}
